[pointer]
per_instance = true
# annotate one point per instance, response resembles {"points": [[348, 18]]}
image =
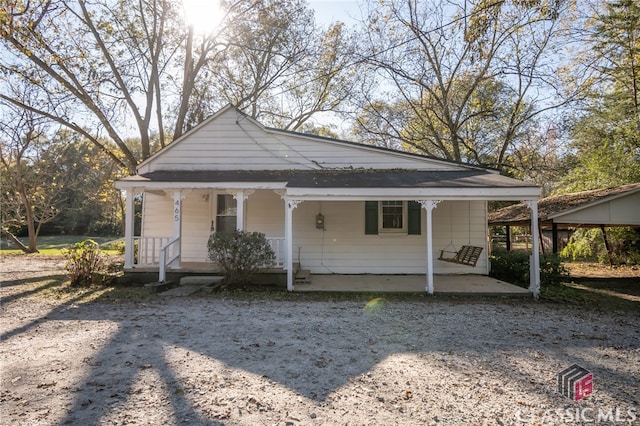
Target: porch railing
{"points": [[147, 251], [168, 254], [277, 245]]}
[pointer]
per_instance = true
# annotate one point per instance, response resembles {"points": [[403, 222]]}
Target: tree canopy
{"points": [[546, 91], [111, 71]]}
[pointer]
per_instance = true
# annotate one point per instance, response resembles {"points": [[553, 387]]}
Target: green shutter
{"points": [[414, 216], [371, 217]]}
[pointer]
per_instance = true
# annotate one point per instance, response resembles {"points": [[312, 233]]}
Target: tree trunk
{"points": [[15, 240], [606, 244]]}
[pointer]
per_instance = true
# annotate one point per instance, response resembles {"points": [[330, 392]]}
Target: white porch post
{"points": [[534, 260], [240, 197], [288, 237], [178, 196], [429, 205], [129, 217]]}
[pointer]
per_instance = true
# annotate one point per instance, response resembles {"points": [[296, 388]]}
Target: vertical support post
{"points": [[177, 223], [290, 205], [429, 205], [534, 260], [129, 218], [554, 236], [240, 197]]}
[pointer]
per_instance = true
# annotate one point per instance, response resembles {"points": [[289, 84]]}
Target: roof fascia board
{"points": [[520, 193], [141, 185]]}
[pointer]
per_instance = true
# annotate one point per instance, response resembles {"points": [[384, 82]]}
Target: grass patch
{"points": [[53, 245], [587, 296]]}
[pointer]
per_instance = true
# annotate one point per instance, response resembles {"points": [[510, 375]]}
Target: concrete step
{"points": [[193, 284], [201, 280], [303, 277]]}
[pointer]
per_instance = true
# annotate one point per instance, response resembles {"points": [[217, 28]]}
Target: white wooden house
{"points": [[332, 206]]}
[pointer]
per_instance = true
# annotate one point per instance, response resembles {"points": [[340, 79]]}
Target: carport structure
{"points": [[610, 207]]}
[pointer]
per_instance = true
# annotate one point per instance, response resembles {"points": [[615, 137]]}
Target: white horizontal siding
{"points": [[157, 214], [623, 210], [342, 248], [196, 222], [229, 143], [196, 225], [264, 212]]}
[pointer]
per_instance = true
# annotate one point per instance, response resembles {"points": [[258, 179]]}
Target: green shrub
{"points": [[240, 254], [84, 259], [513, 267], [552, 271], [510, 266], [584, 244], [588, 244]]}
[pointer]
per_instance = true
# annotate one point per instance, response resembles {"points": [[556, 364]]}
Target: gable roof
{"points": [[563, 208], [232, 151], [231, 140]]}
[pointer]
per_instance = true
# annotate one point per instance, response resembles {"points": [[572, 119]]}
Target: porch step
{"points": [[183, 290], [201, 280], [194, 284], [303, 277]]}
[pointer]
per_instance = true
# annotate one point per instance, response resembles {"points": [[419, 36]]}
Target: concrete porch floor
{"points": [[443, 284]]}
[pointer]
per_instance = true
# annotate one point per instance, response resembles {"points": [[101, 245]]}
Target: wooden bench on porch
{"points": [[467, 255]]}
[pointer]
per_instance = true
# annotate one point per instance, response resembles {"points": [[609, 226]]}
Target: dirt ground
{"points": [[225, 361]]}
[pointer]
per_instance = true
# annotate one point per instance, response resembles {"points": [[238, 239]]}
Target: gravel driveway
{"points": [[209, 361]]}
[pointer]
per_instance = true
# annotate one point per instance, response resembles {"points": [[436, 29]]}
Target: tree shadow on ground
{"points": [[310, 350]]}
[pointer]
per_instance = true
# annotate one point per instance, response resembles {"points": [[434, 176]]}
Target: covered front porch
{"points": [[333, 223]]}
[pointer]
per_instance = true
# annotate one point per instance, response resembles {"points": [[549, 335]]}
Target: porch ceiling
{"points": [[342, 182]]}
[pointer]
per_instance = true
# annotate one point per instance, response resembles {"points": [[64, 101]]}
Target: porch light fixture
{"points": [[320, 221]]}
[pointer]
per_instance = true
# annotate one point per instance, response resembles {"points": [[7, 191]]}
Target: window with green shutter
{"points": [[414, 217], [392, 217], [371, 217]]}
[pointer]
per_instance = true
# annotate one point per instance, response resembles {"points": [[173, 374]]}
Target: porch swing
{"points": [[467, 255]]}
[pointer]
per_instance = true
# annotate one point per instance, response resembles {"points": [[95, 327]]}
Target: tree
{"points": [[605, 137], [466, 81], [95, 207], [279, 66], [33, 187], [123, 69]]}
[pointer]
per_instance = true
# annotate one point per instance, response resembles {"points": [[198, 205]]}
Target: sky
{"points": [[328, 11]]}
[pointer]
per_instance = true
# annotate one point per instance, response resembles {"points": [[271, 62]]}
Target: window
{"points": [[226, 212], [392, 217]]}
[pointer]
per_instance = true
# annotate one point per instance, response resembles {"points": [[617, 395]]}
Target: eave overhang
{"points": [[351, 184]]}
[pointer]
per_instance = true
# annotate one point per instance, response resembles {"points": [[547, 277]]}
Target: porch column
{"points": [[129, 221], [178, 196], [429, 205], [534, 260], [240, 197], [288, 238]]}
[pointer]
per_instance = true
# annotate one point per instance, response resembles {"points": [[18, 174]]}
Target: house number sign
{"points": [[176, 211]]}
